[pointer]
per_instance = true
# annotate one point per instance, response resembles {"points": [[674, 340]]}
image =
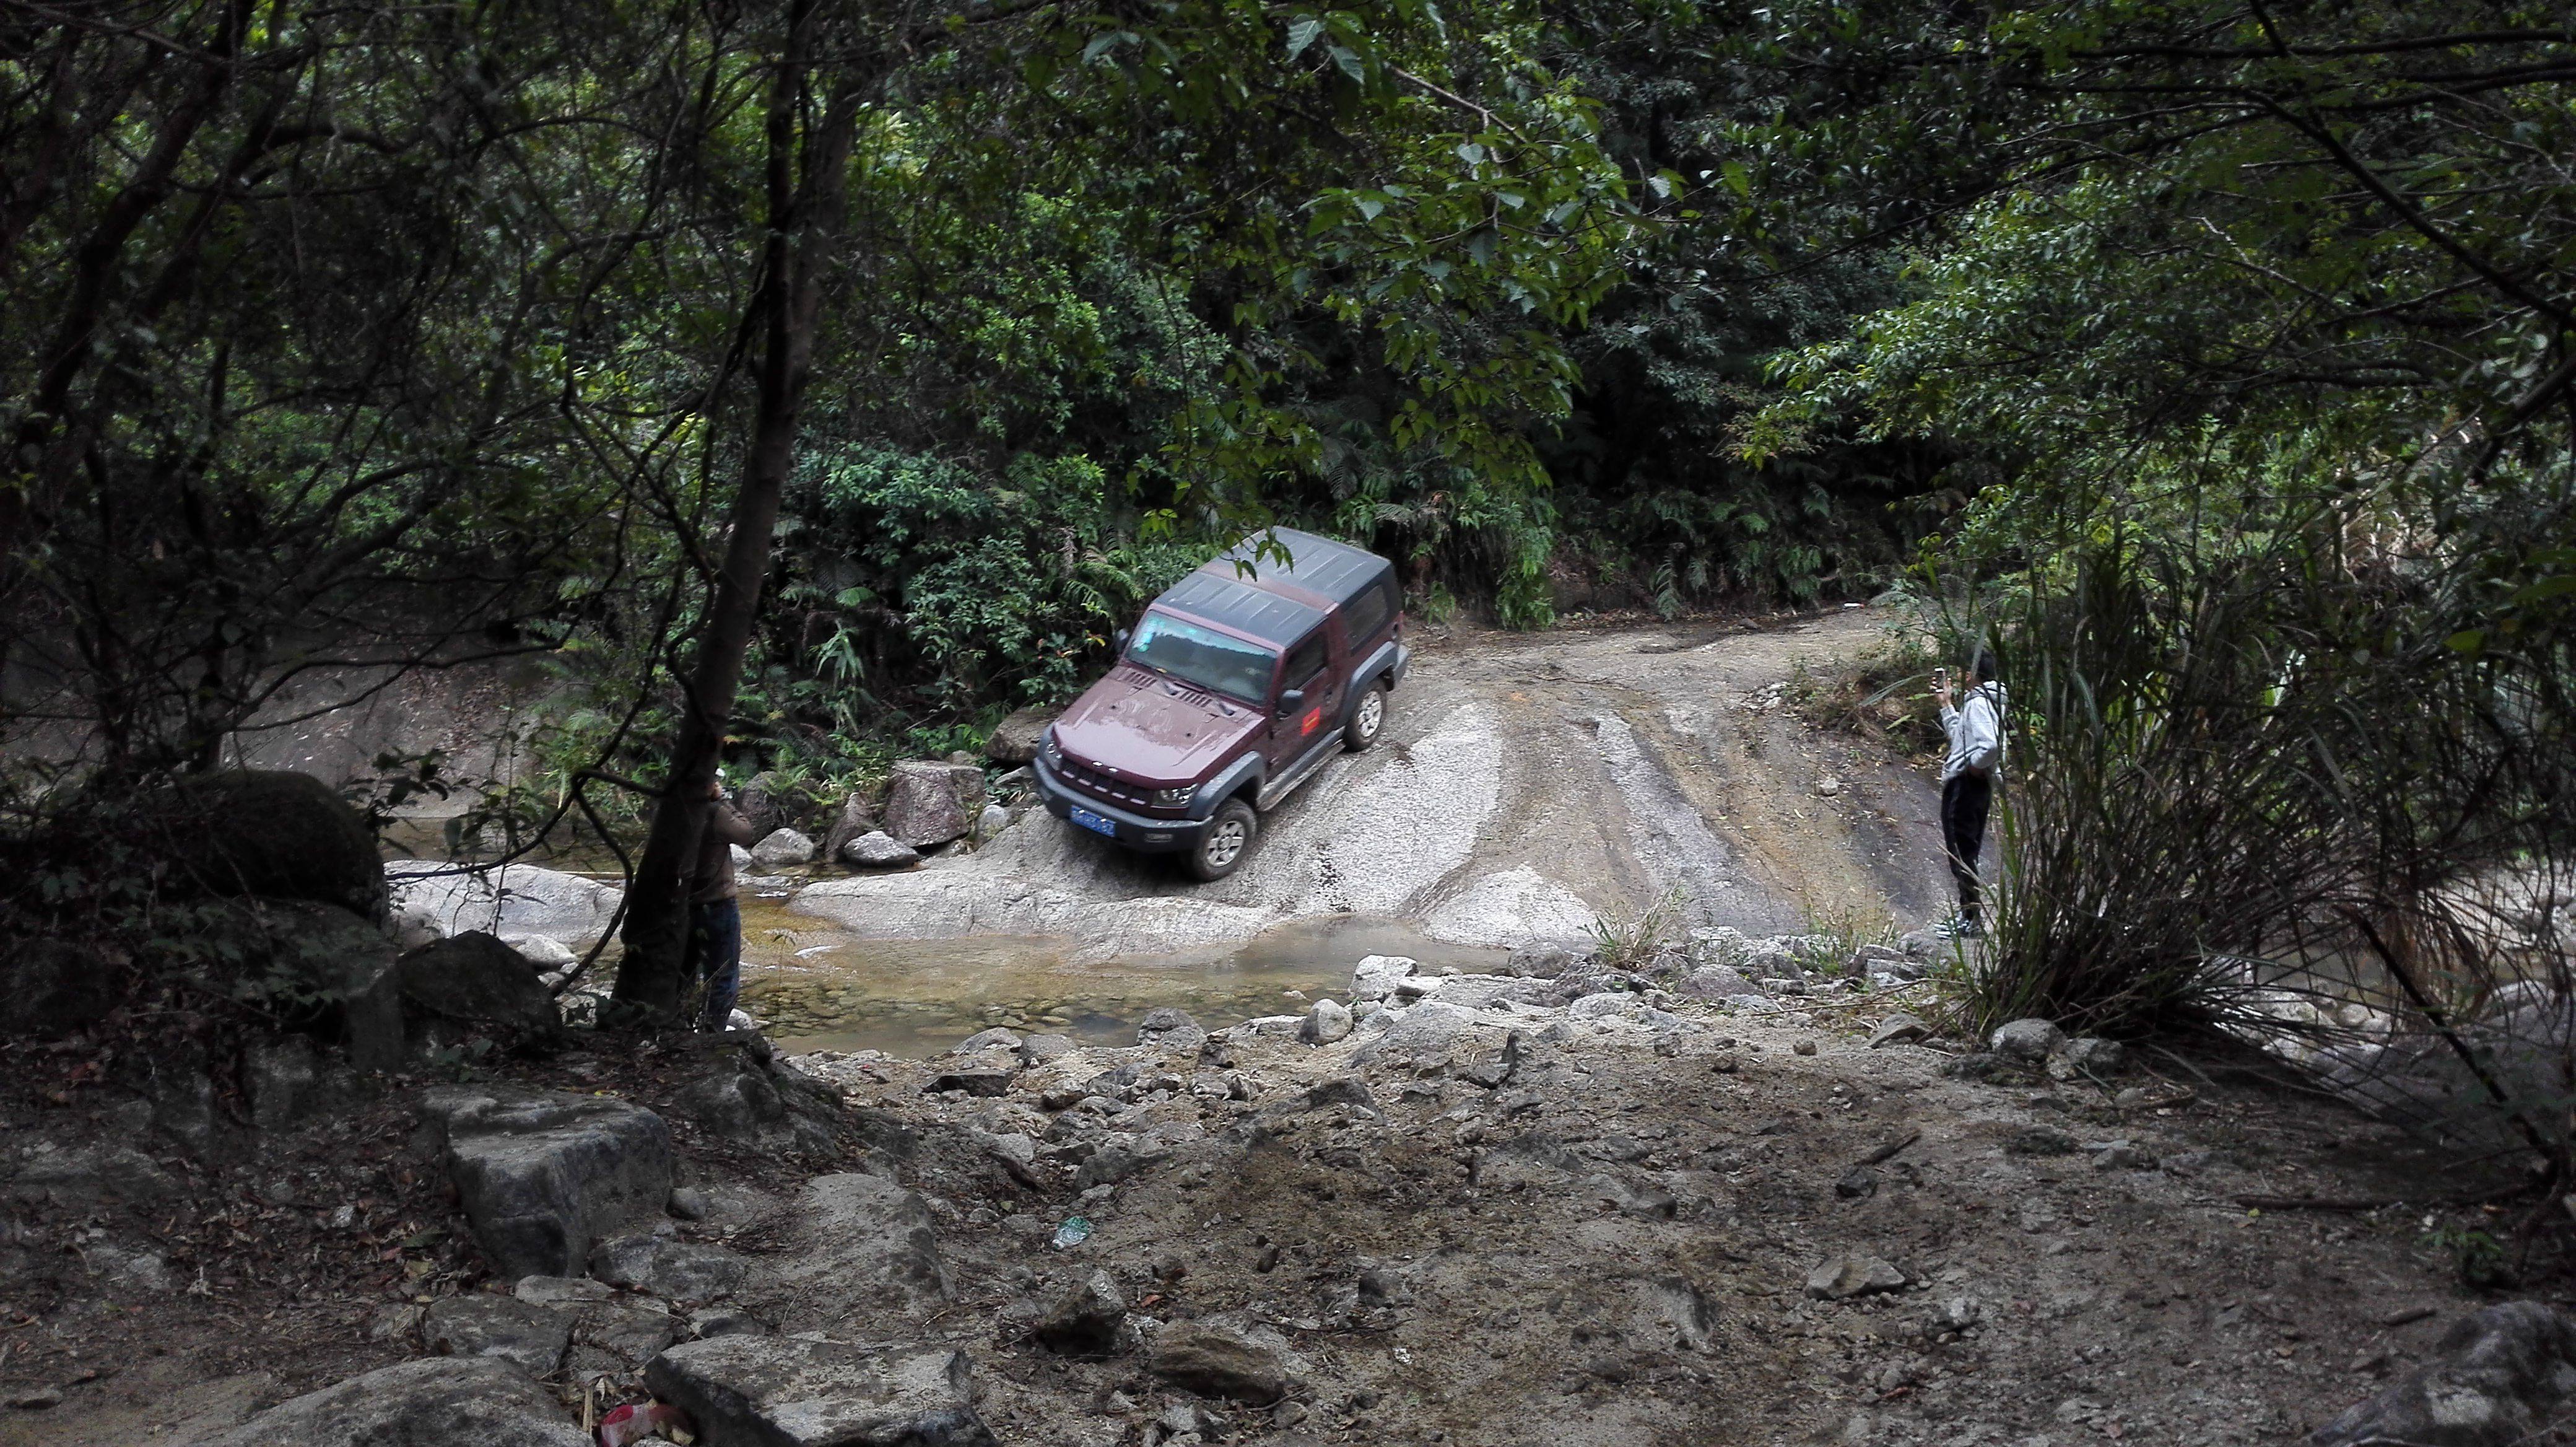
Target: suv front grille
{"points": [[1100, 785]]}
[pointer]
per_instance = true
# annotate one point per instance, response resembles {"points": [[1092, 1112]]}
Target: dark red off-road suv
{"points": [[1237, 685]]}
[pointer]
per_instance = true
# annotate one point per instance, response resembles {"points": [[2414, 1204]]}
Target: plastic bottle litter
{"points": [[1073, 1232]]}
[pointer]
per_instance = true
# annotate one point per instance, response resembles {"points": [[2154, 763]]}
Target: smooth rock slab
{"points": [[2506, 1376], [527, 1336], [428, 1403], [683, 1271], [864, 1252], [762, 1391], [543, 1175]]}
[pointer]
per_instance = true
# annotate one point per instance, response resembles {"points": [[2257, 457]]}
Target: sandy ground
{"points": [[1527, 785]]}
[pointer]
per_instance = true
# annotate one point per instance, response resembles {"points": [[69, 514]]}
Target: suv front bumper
{"points": [[1141, 832]]}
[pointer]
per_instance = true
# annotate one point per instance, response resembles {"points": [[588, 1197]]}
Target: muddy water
{"points": [[820, 989]]}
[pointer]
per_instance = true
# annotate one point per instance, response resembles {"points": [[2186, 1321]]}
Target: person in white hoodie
{"points": [[1976, 728]]}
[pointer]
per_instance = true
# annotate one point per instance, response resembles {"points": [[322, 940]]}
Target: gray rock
{"points": [[857, 819], [2506, 1375], [628, 1331], [1165, 1028], [1112, 1164], [1718, 982], [2122, 1156], [529, 1337], [1339, 1090], [687, 1272], [928, 803], [541, 1176], [984, 1083], [1425, 1034], [1374, 978], [511, 900], [53, 987], [1085, 1320], [435, 1400], [282, 1079], [878, 850], [1015, 738], [1899, 1029], [781, 849], [1979, 1065], [473, 983], [398, 1322], [741, 1098], [2093, 1055], [2029, 1041], [740, 856], [996, 1038], [563, 1291], [1038, 1049], [89, 1176], [183, 1102], [1958, 1313], [862, 1250], [689, 1203], [544, 953], [1326, 1021], [993, 820], [788, 1392], [1218, 1361], [1844, 1277]]}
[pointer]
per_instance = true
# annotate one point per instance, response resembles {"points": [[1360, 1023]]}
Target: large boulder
{"points": [[53, 987], [275, 834], [864, 1250], [781, 849], [510, 900], [437, 1400], [858, 816], [771, 802], [313, 966], [543, 1175], [474, 984], [2506, 1375], [930, 803], [1015, 738], [787, 1392]]}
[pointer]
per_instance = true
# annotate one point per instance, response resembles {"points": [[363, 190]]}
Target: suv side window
{"points": [[1304, 662], [1366, 614]]}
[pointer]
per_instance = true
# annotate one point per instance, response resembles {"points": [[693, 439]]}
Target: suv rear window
{"points": [[1304, 662], [1202, 656], [1366, 614]]}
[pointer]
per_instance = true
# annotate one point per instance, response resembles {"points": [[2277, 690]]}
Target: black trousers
{"points": [[1965, 801]]}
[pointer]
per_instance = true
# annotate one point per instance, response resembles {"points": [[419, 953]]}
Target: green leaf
{"points": [[1301, 33]]}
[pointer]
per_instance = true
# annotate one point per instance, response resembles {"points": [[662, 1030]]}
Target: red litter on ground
{"points": [[634, 1423]]}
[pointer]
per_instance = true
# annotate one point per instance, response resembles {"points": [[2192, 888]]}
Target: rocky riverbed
{"points": [[1563, 1204]]}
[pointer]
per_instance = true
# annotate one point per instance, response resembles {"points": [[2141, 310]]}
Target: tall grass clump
{"points": [[2309, 784]]}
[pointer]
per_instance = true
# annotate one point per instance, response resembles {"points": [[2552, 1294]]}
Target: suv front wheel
{"points": [[1368, 719], [1226, 840]]}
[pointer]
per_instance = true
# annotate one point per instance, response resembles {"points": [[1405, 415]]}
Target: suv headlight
{"points": [[1175, 798], [1048, 747]]}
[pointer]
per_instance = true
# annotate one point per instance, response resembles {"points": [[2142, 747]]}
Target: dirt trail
{"points": [[1528, 785]]}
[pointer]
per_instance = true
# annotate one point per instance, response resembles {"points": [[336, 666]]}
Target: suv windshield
{"points": [[1204, 657]]}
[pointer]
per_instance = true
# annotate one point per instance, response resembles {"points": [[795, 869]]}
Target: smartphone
{"points": [[1940, 677]]}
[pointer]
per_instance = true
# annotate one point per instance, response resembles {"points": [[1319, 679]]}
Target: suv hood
{"points": [[1143, 725]]}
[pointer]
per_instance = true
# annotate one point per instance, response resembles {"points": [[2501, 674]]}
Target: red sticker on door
{"points": [[1314, 716]]}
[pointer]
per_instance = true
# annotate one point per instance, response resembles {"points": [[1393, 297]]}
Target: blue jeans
{"points": [[715, 956]]}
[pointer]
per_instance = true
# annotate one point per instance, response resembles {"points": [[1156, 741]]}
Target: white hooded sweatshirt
{"points": [[1976, 730]]}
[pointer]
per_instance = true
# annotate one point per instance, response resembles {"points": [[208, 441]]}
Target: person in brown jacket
{"points": [[714, 952]]}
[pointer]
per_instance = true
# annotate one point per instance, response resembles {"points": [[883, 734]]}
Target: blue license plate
{"points": [[1095, 823]]}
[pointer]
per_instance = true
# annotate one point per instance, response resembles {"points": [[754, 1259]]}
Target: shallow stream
{"points": [[820, 989]]}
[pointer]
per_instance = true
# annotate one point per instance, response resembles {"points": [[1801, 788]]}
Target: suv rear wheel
{"points": [[1368, 719], [1227, 839]]}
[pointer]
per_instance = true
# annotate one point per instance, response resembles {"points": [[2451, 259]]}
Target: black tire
{"points": [[1223, 846], [1368, 719]]}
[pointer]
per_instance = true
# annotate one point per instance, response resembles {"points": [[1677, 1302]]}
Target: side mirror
{"points": [[1118, 639], [1291, 701]]}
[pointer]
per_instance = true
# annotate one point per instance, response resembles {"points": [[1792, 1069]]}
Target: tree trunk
{"points": [[805, 217]]}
